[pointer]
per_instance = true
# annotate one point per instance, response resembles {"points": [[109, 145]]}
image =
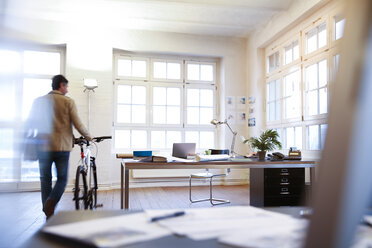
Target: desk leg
{"points": [[126, 188], [121, 186]]}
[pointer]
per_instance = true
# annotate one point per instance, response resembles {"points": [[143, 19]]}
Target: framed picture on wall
{"points": [[230, 102]]}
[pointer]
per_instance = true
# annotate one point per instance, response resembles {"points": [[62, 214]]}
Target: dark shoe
{"points": [[49, 207]]}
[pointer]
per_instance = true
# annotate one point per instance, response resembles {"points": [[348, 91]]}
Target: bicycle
{"points": [[85, 193]]}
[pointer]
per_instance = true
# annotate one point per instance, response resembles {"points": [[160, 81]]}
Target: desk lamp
{"points": [[89, 84], [216, 123]]}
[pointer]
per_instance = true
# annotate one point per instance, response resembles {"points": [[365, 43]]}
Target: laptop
{"points": [[181, 150]]}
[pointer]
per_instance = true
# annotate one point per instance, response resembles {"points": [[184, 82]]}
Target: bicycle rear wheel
{"points": [[80, 191]]}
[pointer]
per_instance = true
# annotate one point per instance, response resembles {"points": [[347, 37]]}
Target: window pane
{"points": [[10, 61], [277, 110], [160, 70], [192, 137], [193, 72], [312, 77], [139, 95], [6, 155], [173, 115], [192, 97], [33, 88], [138, 114], [124, 94], [311, 41], [30, 171], [206, 140], [157, 139], [159, 95], [298, 139], [289, 137], [7, 101], [139, 139], [173, 137], [313, 137], [323, 73], [272, 91], [323, 135], [124, 67], [174, 71], [336, 60], [322, 35], [139, 68], [313, 102], [339, 26], [122, 139], [273, 61], [173, 96], [206, 72], [206, 98], [296, 50], [123, 114], [272, 111], [323, 103], [288, 54], [192, 115], [47, 63], [158, 114], [277, 89], [206, 115]]}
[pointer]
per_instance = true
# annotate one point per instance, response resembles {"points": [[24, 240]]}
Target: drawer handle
{"points": [[284, 183], [284, 170], [284, 193], [284, 174]]}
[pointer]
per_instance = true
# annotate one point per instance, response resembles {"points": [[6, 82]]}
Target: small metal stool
{"points": [[210, 176]]}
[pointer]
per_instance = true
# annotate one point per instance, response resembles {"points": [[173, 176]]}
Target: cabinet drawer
{"points": [[284, 190], [284, 180], [283, 201], [289, 172]]}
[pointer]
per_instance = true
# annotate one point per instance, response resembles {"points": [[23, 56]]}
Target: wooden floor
{"points": [[21, 213]]}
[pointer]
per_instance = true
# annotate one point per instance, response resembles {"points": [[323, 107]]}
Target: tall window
{"points": [[297, 91], [174, 102], [24, 76]]}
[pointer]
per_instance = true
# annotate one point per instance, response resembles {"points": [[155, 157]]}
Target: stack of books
{"points": [[155, 159], [138, 155]]}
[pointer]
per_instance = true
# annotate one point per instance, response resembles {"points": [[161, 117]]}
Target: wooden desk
{"points": [[126, 166]]}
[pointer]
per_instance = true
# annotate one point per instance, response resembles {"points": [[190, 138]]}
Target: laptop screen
{"points": [[181, 150]]}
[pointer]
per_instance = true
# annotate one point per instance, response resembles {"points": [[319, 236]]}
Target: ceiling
{"points": [[236, 18]]}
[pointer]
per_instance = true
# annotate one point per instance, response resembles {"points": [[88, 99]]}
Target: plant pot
{"points": [[261, 155]]}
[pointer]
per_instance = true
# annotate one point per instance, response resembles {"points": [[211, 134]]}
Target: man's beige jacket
{"points": [[52, 116]]}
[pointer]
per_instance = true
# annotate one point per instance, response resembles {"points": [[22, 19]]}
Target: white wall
{"points": [[89, 54]]}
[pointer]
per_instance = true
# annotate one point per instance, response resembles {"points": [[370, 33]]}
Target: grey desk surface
{"points": [[44, 240]]}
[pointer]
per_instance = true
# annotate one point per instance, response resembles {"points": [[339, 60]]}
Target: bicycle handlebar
{"points": [[82, 140]]}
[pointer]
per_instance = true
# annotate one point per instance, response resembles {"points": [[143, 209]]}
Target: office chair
{"points": [[210, 176]]}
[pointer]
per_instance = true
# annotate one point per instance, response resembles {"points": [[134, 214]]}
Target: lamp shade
{"points": [[90, 83]]}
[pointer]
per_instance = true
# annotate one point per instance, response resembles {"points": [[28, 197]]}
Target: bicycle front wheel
{"points": [[93, 202], [81, 189]]}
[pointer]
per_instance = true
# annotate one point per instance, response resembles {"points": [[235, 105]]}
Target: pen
{"points": [[176, 214]]}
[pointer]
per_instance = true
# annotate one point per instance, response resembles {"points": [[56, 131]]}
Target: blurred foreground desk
{"points": [[42, 240], [272, 183]]}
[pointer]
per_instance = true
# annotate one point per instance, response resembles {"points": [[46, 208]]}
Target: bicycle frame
{"points": [[86, 160]]}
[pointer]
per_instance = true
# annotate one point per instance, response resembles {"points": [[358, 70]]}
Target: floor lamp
{"points": [[216, 123], [89, 84]]}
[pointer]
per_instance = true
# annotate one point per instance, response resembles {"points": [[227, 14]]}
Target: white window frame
{"points": [[280, 100], [132, 58], [183, 84], [308, 63], [187, 62], [152, 78], [316, 24]]}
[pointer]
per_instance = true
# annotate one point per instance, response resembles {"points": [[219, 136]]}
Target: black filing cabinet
{"points": [[277, 187]]}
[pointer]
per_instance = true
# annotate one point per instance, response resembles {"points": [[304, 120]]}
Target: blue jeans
{"points": [[46, 160]]}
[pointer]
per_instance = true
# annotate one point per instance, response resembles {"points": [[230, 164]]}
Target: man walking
{"points": [[52, 117]]}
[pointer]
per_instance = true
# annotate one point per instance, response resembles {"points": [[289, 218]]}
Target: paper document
{"points": [[111, 231], [217, 157], [237, 225]]}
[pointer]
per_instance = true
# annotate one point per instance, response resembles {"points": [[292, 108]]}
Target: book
{"points": [[216, 157], [124, 155], [142, 153], [155, 159]]}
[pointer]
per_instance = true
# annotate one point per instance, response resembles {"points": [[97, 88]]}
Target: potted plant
{"points": [[268, 141]]}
